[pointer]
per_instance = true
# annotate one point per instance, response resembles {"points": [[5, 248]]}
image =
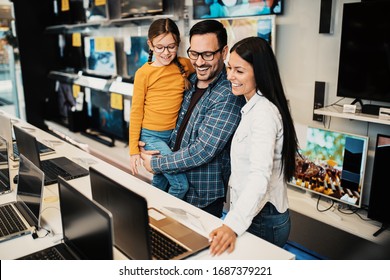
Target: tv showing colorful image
{"points": [[235, 8], [263, 26], [100, 55], [137, 53], [332, 164]]}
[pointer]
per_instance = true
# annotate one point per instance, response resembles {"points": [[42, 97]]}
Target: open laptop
{"points": [[137, 228], [5, 179], [22, 216], [87, 229], [60, 166], [6, 131]]}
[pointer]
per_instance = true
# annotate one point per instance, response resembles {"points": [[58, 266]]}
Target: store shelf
{"points": [[337, 111]]}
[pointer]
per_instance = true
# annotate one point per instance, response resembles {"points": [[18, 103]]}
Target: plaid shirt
{"points": [[205, 148]]}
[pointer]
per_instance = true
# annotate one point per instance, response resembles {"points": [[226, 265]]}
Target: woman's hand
{"points": [[222, 238]]}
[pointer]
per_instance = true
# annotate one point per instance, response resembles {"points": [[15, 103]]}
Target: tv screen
{"points": [[332, 164], [100, 55], [364, 64], [105, 111], [131, 8], [235, 8], [137, 54], [378, 208]]}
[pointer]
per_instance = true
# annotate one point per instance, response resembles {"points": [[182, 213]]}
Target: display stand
{"points": [[104, 139]]}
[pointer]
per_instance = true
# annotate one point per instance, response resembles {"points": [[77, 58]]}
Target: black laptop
{"points": [[87, 229], [60, 166], [22, 216], [143, 233]]}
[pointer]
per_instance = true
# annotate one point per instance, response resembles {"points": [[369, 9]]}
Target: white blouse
{"points": [[256, 154]]}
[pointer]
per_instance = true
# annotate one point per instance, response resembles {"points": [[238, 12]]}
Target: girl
{"points": [[157, 97]]}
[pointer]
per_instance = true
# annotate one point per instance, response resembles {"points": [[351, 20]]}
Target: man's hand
{"points": [[147, 156]]}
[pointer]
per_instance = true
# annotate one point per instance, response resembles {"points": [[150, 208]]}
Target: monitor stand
{"points": [[382, 229], [369, 109], [99, 138]]}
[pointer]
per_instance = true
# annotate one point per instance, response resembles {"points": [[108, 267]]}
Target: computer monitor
{"points": [[100, 55], [136, 8], [106, 114], [332, 165], [137, 53]]}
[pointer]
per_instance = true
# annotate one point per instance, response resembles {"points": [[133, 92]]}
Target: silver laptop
{"points": [[6, 131], [139, 230], [22, 216], [87, 229], [5, 179], [54, 167]]}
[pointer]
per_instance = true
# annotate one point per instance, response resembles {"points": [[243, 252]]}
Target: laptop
{"points": [[22, 216], [60, 166], [5, 179], [87, 229], [6, 131], [137, 228]]}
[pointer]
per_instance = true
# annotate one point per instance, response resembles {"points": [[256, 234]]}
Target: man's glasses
{"points": [[160, 49], [207, 56]]}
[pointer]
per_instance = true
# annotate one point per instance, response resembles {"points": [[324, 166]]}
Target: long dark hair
{"points": [[259, 54], [166, 26]]}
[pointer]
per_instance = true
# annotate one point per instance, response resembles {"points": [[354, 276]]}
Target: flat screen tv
{"points": [[137, 53], [100, 55], [332, 164], [136, 8], [364, 64], [379, 207], [235, 8], [105, 111]]}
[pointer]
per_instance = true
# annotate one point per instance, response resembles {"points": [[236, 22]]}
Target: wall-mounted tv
{"points": [[332, 164], [364, 65], [235, 8], [100, 55], [136, 8]]}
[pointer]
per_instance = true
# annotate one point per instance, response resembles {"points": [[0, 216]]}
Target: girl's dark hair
{"points": [[259, 54], [165, 26]]}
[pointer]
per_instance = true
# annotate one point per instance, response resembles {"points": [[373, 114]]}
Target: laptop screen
{"points": [[5, 185], [87, 227], [129, 210], [30, 189]]}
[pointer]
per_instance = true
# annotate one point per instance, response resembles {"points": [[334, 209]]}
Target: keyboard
{"points": [[164, 248], [10, 222], [52, 171], [50, 253]]}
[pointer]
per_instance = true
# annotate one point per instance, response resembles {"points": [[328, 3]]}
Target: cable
{"points": [[323, 210]]}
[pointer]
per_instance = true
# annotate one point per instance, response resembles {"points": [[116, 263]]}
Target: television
{"points": [[238, 28], [106, 114], [137, 53], [235, 8], [100, 55], [136, 8], [379, 207], [364, 63], [332, 164], [72, 52]]}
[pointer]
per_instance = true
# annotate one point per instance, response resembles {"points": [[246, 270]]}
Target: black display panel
{"points": [[364, 65]]}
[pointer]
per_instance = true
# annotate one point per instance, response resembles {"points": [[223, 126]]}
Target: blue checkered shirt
{"points": [[204, 153]]}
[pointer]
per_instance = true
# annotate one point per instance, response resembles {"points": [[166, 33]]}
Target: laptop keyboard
{"points": [[52, 171], [10, 222], [46, 254], [164, 248]]}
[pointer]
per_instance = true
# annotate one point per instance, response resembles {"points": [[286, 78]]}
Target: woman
{"points": [[262, 152]]}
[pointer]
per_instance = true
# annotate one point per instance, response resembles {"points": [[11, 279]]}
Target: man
{"points": [[209, 115]]}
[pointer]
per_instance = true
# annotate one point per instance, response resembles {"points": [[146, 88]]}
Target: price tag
{"points": [[100, 2], [76, 90], [116, 101], [64, 5], [76, 39], [104, 44]]}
